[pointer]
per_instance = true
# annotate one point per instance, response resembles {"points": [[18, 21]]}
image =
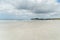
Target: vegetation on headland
{"points": [[45, 19]]}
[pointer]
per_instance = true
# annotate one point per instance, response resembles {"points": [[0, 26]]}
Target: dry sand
{"points": [[30, 30]]}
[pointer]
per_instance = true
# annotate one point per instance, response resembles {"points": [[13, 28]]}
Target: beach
{"points": [[30, 30]]}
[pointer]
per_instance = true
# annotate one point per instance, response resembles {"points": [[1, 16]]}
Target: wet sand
{"points": [[30, 30]]}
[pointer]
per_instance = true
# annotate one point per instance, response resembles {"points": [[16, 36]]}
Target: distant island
{"points": [[45, 19]]}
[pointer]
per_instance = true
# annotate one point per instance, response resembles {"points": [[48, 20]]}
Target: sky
{"points": [[58, 0], [27, 9]]}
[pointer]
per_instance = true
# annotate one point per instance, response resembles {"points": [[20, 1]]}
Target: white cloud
{"points": [[6, 6]]}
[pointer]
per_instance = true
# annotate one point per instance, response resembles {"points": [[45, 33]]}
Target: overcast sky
{"points": [[27, 9]]}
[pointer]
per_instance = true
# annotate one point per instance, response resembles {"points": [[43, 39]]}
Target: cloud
{"points": [[26, 9], [38, 6], [6, 6], [45, 8]]}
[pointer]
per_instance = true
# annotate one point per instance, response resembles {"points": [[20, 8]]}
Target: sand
{"points": [[30, 30]]}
